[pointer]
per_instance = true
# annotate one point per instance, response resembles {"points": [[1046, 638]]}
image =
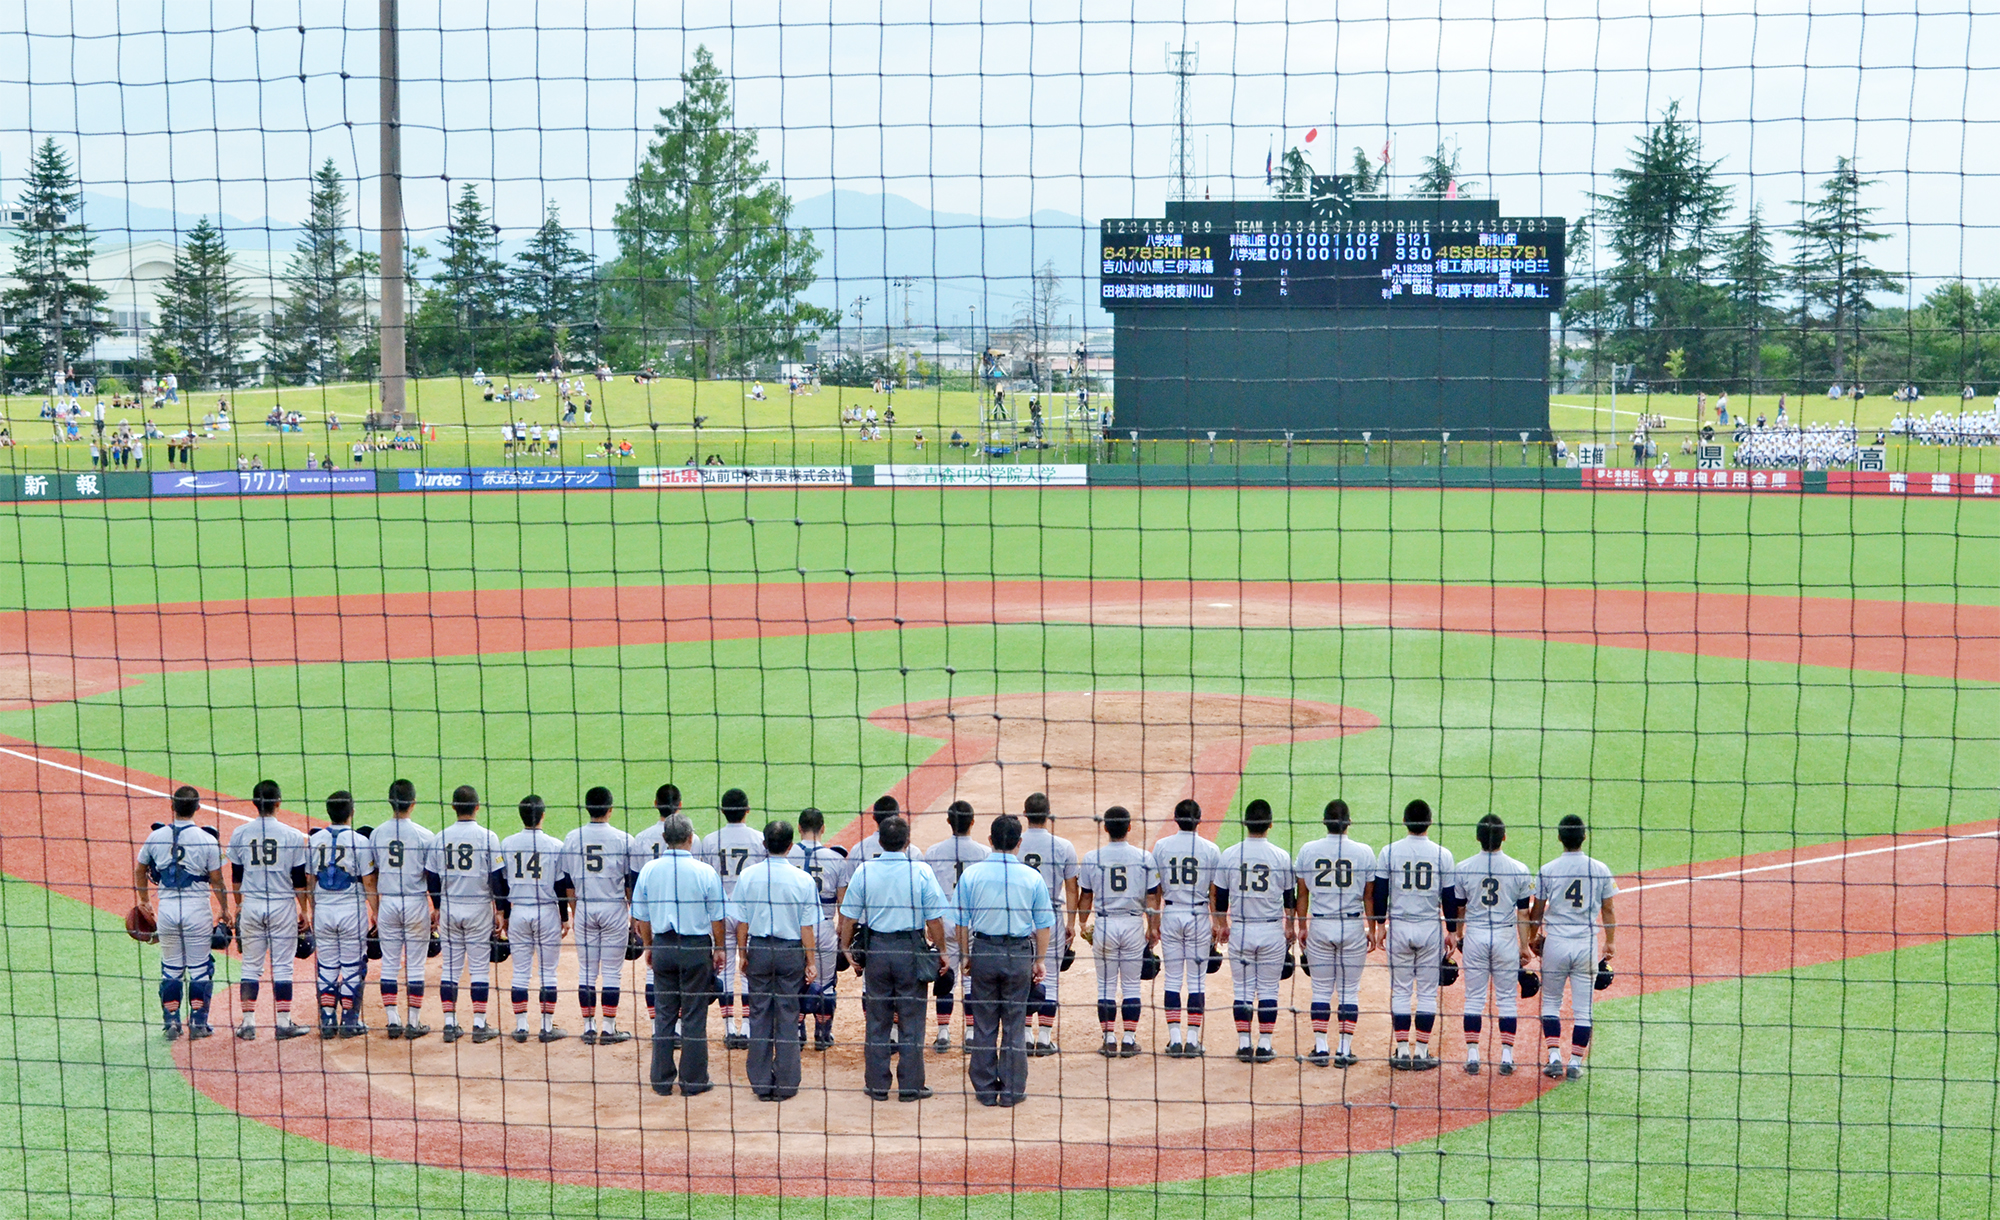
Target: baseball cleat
{"points": [[1244, 1054], [1472, 1067], [1575, 1071], [554, 1034], [1506, 1067], [328, 1030], [484, 1033], [1320, 1059], [202, 1029], [942, 1045], [352, 1029], [395, 1030], [1266, 1055], [1399, 1063], [590, 1037], [1174, 1050], [1425, 1062], [452, 1033], [170, 1030], [1346, 1059], [247, 1033], [1129, 1050], [287, 1032], [520, 1035], [1109, 1050], [1554, 1071], [625, 1035], [1193, 1050], [412, 1032]]}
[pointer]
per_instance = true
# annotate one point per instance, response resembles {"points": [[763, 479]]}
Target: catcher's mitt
{"points": [[140, 926]]}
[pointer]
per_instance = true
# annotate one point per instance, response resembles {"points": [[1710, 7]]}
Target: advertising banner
{"points": [[745, 476], [997, 475], [506, 478], [1604, 479], [259, 482], [1898, 483]]}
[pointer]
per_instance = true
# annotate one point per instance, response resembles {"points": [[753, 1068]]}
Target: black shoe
{"points": [[614, 1037], [415, 1031], [1506, 1067], [352, 1029], [1128, 1050], [395, 1030], [171, 1030], [553, 1034], [664, 1090], [1266, 1055], [287, 1032], [247, 1033], [1553, 1071], [1472, 1067], [520, 1035], [328, 1030], [1425, 1062], [202, 1029], [989, 1101], [1174, 1050], [1400, 1063], [484, 1033], [1244, 1054], [1193, 1050], [1320, 1059], [877, 1094], [590, 1037], [452, 1033], [923, 1094], [1109, 1050], [695, 1090]]}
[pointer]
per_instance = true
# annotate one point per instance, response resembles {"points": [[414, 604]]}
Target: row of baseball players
{"points": [[464, 891]]}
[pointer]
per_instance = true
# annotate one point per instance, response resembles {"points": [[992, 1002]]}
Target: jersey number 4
{"points": [[1575, 894]]}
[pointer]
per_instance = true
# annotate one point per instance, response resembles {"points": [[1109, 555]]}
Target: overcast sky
{"points": [[1009, 107]]}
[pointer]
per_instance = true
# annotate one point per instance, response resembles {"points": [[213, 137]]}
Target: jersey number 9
{"points": [[395, 853]]}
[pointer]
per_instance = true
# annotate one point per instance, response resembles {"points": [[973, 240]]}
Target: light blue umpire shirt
{"points": [[775, 898], [1001, 896], [894, 893], [678, 893]]}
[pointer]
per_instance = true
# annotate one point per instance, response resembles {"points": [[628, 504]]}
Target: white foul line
{"points": [[1772, 868], [124, 783]]}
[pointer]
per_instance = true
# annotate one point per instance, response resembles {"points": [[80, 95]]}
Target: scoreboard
{"points": [[1308, 264]]}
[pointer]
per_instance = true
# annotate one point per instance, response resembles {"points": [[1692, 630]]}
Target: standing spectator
{"points": [[778, 905], [1004, 918], [677, 907], [898, 900]]}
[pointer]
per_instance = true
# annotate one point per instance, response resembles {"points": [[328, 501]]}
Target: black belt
{"points": [[683, 938], [776, 940], [1007, 942]]}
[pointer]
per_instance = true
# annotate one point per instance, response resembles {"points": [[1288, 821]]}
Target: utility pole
{"points": [[1182, 64], [905, 282], [392, 332]]}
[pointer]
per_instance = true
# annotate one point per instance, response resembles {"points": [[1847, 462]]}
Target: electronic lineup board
{"points": [[1304, 264]]}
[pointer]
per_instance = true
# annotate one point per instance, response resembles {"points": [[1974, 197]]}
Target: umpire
{"points": [[1004, 917], [677, 905], [897, 901], [778, 906]]}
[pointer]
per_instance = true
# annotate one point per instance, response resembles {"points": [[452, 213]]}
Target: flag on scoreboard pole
{"points": [[1267, 166]]}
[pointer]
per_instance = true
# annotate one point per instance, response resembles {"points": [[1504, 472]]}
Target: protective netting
{"points": [[1371, 515]]}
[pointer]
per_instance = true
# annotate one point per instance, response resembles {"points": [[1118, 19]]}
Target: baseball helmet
{"points": [[1290, 967], [220, 935], [947, 980], [374, 944], [140, 926], [634, 947], [305, 948], [1604, 975], [1149, 964], [1214, 957], [1069, 957], [436, 947], [501, 949], [1447, 972], [1531, 984]]}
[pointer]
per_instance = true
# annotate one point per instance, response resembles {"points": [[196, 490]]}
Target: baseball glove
{"points": [[220, 935], [1089, 933], [1604, 975], [947, 981], [1447, 972], [501, 950], [437, 946], [305, 948], [1069, 957], [1214, 957], [634, 947], [840, 961], [1289, 968], [1531, 984], [374, 944], [140, 926], [1149, 965]]}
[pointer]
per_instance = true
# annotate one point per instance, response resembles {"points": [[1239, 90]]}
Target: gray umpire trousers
{"points": [[1003, 973], [894, 996], [683, 987], [776, 977]]}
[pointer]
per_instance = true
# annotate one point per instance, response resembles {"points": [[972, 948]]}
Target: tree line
{"points": [[705, 282]]}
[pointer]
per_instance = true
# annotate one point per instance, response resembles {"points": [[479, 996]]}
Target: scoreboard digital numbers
{"points": [[1332, 264]]}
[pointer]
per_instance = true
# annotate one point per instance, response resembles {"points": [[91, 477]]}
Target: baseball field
{"points": [[1780, 716]]}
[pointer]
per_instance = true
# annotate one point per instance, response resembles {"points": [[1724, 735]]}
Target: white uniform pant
{"points": [[340, 948], [1257, 960], [1120, 945], [734, 936], [467, 933], [1572, 961], [1416, 948], [1336, 950], [1185, 933], [404, 924], [1492, 962], [1052, 966], [534, 935], [961, 963], [184, 928], [601, 930], [268, 931]]}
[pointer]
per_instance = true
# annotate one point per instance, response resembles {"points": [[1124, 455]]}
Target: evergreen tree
{"points": [[1439, 174], [319, 329], [554, 293], [461, 323], [203, 326], [709, 270], [1367, 177], [1661, 222], [56, 314], [1834, 275], [1751, 279]]}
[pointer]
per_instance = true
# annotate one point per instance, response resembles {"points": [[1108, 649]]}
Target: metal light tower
{"points": [[1182, 64]]}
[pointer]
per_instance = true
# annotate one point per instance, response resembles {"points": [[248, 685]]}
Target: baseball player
{"points": [[342, 911], [463, 870], [1055, 859], [597, 873], [267, 878], [1572, 897], [185, 861], [827, 866], [1187, 864], [1120, 884], [1336, 878], [1413, 892], [405, 918], [870, 847], [539, 918], [1493, 939], [729, 850], [1255, 879], [949, 860], [646, 847]]}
